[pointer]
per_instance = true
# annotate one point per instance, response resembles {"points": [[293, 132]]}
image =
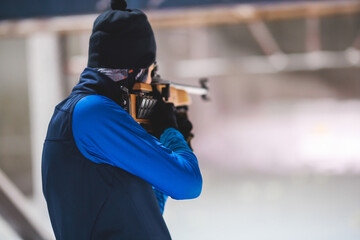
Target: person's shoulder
{"points": [[96, 105], [95, 102]]}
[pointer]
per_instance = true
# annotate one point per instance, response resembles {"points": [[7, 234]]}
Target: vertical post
{"points": [[315, 60], [313, 39], [45, 91], [352, 54]]}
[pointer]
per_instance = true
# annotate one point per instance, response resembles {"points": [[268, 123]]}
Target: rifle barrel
{"points": [[191, 89]]}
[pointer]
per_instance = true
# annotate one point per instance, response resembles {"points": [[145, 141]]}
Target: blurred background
{"points": [[278, 144]]}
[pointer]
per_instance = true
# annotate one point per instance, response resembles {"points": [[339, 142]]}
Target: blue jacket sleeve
{"points": [[105, 133]]}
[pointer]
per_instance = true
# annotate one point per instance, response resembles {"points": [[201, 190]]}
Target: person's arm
{"points": [[105, 133]]}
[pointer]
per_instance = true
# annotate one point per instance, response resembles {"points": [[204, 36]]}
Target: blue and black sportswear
{"points": [[99, 167]]}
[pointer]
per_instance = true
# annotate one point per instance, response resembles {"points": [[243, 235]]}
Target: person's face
{"points": [[149, 78]]}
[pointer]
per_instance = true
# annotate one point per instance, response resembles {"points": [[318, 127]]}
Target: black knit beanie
{"points": [[121, 39]]}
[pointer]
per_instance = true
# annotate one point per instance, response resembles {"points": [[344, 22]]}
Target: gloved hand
{"points": [[184, 124], [163, 116]]}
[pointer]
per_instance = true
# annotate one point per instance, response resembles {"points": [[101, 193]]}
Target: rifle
{"points": [[142, 100]]}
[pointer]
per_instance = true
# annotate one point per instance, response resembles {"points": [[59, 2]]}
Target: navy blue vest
{"points": [[88, 200]]}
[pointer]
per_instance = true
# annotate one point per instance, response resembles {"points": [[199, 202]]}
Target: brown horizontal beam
{"points": [[247, 13], [191, 17]]}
